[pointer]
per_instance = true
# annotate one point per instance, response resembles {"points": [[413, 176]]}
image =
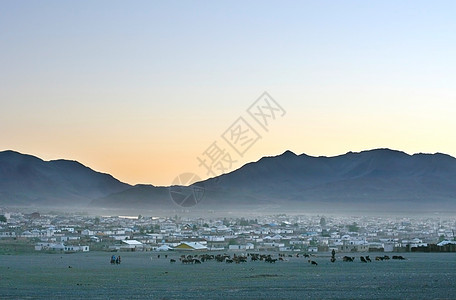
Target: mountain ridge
{"points": [[28, 180], [371, 177]]}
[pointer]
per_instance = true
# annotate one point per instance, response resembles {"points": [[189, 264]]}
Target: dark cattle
{"points": [[172, 260], [313, 262], [363, 259], [368, 259], [348, 259], [270, 260], [398, 257]]}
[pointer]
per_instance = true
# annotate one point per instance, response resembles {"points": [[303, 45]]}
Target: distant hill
{"points": [[372, 178], [138, 196], [27, 180], [380, 179]]}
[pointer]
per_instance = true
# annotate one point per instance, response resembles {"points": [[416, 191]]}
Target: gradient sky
{"points": [[140, 89]]}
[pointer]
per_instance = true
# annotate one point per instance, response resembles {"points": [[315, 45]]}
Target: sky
{"points": [[144, 89]]}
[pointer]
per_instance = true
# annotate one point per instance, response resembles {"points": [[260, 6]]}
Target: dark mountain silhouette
{"points": [[373, 178], [138, 196], [380, 179], [376, 179], [27, 180]]}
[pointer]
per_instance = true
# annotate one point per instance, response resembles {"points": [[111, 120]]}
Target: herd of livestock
{"points": [[268, 258]]}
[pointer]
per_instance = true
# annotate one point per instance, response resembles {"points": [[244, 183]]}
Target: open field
{"points": [[143, 275]]}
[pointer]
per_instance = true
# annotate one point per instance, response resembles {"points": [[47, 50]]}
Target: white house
{"points": [[132, 245], [248, 246], [164, 248], [190, 246]]}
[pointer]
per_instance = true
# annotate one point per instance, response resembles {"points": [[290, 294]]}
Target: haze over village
{"points": [[59, 233]]}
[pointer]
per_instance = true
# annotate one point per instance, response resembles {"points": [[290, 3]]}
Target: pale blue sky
{"points": [[140, 88]]}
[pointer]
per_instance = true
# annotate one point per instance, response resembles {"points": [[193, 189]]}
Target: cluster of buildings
{"points": [[301, 233]]}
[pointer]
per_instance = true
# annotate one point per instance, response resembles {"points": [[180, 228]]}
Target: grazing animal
{"points": [[348, 259], [270, 260], [172, 260], [363, 259], [333, 259], [196, 261], [229, 261], [312, 262], [368, 259], [398, 257], [187, 261]]}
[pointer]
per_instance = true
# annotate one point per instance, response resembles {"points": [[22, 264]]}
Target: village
{"points": [[80, 232]]}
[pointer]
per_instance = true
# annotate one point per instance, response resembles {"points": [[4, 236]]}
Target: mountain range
{"points": [[27, 180], [380, 179]]}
